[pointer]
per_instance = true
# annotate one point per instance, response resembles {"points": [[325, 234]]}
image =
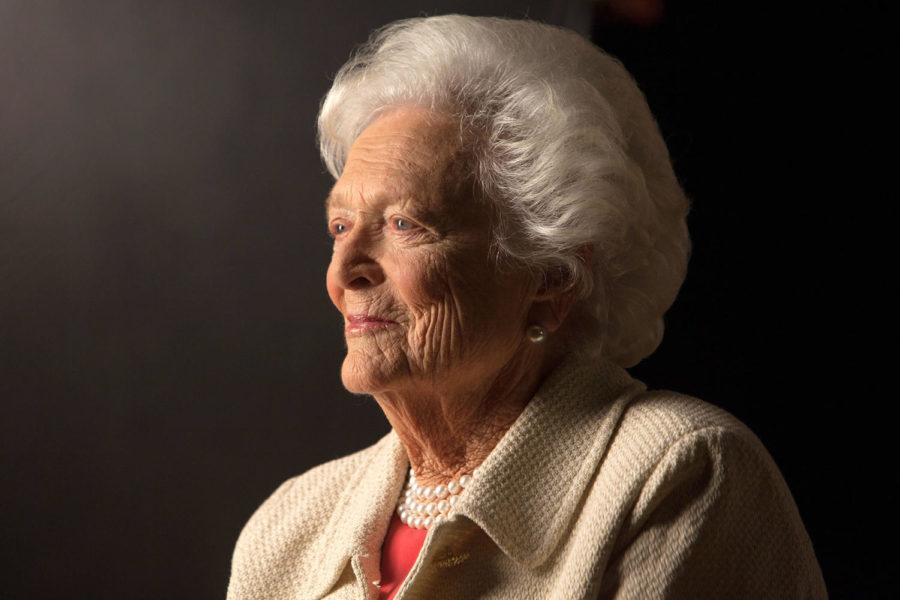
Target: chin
{"points": [[361, 375]]}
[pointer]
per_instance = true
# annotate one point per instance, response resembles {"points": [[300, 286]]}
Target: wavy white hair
{"points": [[562, 144]]}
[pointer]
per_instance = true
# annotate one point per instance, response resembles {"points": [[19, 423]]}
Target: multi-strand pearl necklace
{"points": [[422, 507]]}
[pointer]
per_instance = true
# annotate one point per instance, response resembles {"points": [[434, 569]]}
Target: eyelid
{"points": [[413, 224], [334, 223]]}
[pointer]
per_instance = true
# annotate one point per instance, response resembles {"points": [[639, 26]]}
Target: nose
{"points": [[354, 263]]}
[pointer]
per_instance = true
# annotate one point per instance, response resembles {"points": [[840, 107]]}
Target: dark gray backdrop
{"points": [[168, 354]]}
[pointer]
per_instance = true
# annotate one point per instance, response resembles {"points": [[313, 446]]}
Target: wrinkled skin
{"points": [[434, 330]]}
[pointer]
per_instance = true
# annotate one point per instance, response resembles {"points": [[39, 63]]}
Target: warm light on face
{"points": [[411, 271]]}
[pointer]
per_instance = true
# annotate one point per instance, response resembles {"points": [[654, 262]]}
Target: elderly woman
{"points": [[508, 233]]}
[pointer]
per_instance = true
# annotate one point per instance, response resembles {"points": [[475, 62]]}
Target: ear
{"points": [[555, 296]]}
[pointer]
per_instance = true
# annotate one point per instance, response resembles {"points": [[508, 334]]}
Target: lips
{"points": [[364, 323]]}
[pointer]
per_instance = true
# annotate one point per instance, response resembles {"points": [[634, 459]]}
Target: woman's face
{"points": [[422, 301]]}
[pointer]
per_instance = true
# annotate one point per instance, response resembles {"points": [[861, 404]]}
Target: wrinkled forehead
{"points": [[405, 153]]}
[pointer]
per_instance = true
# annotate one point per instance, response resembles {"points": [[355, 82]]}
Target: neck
{"points": [[448, 430]]}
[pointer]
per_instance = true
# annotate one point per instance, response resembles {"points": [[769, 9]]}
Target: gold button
{"points": [[451, 560]]}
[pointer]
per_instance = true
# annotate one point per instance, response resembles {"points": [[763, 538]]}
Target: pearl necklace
{"points": [[422, 507]]}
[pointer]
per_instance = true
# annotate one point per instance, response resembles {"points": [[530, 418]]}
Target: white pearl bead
{"points": [[422, 507]]}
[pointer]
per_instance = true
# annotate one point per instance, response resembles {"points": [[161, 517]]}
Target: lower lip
{"points": [[366, 325]]}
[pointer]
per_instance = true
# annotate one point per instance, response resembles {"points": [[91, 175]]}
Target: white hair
{"points": [[563, 145]]}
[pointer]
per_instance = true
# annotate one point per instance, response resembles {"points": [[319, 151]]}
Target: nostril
{"points": [[358, 283], [358, 271]]}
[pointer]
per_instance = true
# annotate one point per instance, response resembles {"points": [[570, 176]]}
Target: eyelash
{"points": [[400, 224], [334, 229], [395, 222]]}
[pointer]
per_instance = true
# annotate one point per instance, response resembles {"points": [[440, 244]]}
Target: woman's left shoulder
{"points": [[663, 418], [699, 493], [667, 435]]}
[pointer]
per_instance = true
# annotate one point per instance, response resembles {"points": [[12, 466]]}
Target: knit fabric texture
{"points": [[600, 489]]}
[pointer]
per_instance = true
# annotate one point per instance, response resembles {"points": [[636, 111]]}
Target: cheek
{"points": [[446, 308], [422, 289], [418, 282]]}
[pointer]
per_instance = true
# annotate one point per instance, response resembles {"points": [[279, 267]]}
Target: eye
{"points": [[401, 224], [337, 228]]}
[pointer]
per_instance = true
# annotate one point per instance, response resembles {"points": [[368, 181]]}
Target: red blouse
{"points": [[401, 548]]}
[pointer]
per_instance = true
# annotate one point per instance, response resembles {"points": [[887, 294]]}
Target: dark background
{"points": [[168, 354]]}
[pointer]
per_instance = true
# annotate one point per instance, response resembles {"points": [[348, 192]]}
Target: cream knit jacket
{"points": [[599, 490]]}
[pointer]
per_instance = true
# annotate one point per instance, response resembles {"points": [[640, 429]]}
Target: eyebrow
{"points": [[330, 200], [333, 201], [337, 199]]}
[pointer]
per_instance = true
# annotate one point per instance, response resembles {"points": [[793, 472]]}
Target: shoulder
{"points": [[663, 426], [289, 524], [666, 414], [323, 481], [702, 488], [666, 439]]}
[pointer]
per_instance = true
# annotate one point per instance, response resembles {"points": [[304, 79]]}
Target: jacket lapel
{"points": [[360, 520], [529, 488]]}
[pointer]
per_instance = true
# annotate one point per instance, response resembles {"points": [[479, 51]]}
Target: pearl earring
{"points": [[536, 334]]}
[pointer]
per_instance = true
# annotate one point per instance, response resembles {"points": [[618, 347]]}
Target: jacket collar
{"points": [[526, 491], [531, 484]]}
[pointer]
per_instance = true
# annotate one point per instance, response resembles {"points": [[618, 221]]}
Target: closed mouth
{"points": [[362, 323]]}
